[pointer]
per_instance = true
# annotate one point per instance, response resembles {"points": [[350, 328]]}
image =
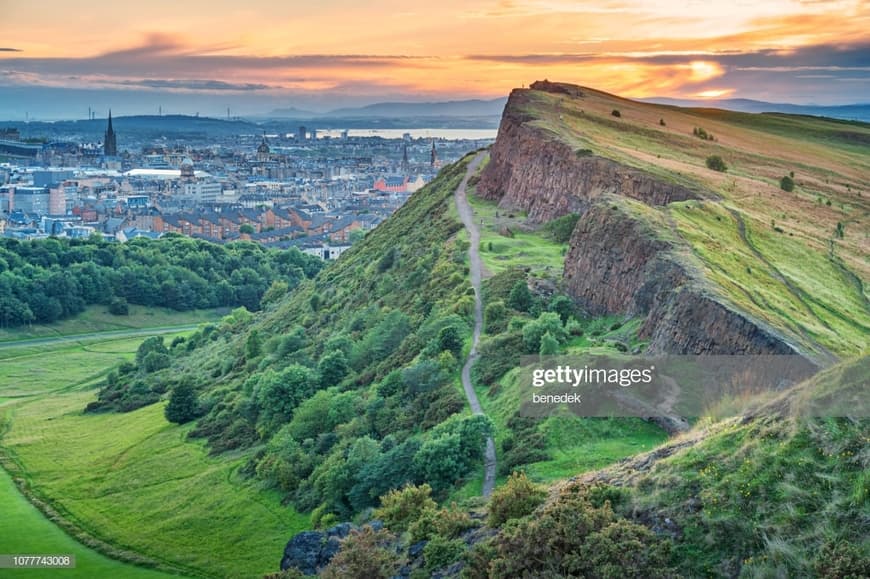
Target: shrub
{"points": [[446, 522], [786, 184], [534, 331], [549, 345], [517, 498], [364, 553], [520, 297], [840, 560], [716, 163], [662, 122], [182, 405], [560, 230], [616, 113], [400, 508], [495, 317], [155, 361], [119, 307], [579, 539], [449, 340], [440, 552]]}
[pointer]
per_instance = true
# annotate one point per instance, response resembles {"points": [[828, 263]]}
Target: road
{"points": [[108, 335], [467, 217]]}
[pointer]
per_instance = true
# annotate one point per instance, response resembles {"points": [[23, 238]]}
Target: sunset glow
{"points": [[786, 50]]}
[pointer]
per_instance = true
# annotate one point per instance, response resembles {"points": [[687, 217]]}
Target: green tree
{"points": [[333, 368], [253, 345], [118, 307], [246, 228], [152, 344], [534, 331], [277, 394], [549, 345], [154, 361], [182, 405], [520, 297], [563, 306], [495, 317], [786, 184], [450, 340]]}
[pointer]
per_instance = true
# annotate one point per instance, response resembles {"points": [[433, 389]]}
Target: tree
{"points": [[563, 306], [277, 394], [549, 345], [246, 228], [450, 340], [182, 405], [716, 163], [520, 297], [119, 307], [253, 345], [495, 317], [333, 368], [786, 184], [152, 344], [534, 331], [616, 113], [154, 361]]}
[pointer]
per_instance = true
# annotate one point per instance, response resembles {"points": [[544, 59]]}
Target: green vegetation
{"points": [[36, 534], [128, 484], [52, 279], [716, 163], [506, 241], [786, 184]]}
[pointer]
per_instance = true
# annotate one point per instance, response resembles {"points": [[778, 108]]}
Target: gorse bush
{"points": [[517, 498], [716, 163]]}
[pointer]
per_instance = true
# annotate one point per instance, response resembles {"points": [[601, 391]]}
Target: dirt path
{"points": [[467, 217]]}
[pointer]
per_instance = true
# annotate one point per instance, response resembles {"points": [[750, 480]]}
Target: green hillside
{"points": [[795, 259]]}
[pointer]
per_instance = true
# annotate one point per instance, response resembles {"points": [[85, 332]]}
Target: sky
{"points": [[257, 55]]}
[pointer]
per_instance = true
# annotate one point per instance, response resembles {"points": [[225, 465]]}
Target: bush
{"points": [[786, 184], [495, 317], [440, 552], [716, 163], [579, 540], [182, 405], [364, 553], [401, 508], [520, 297], [560, 230], [119, 307], [841, 560], [446, 522], [516, 499], [155, 361], [534, 331], [616, 113]]}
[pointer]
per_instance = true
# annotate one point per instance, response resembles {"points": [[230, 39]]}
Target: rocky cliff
{"points": [[619, 261], [532, 170]]}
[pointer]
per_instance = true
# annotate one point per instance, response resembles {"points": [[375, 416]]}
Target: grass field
{"points": [[132, 482], [35, 534], [506, 242], [98, 319]]}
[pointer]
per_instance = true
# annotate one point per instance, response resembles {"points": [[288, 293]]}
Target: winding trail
{"points": [[467, 217]]}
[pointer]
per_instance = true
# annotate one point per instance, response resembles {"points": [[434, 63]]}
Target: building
{"points": [[57, 200], [202, 191], [110, 142], [50, 178], [433, 156], [300, 136], [264, 153], [30, 200]]}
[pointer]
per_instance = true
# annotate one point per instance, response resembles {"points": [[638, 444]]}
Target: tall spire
{"points": [[110, 142], [433, 157], [405, 164]]}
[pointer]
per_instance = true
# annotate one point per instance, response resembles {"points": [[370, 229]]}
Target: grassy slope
{"points": [[36, 534], [765, 494], [132, 480], [802, 279], [98, 319]]}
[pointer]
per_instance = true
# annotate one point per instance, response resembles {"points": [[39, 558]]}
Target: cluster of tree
{"points": [[47, 280], [703, 134]]}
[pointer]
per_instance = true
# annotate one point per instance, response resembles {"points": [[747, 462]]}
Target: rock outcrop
{"points": [[532, 170], [311, 551], [620, 260]]}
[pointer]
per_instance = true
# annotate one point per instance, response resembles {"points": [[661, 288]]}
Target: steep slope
{"points": [[716, 262]]}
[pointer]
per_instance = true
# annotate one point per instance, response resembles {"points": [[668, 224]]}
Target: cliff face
{"points": [[617, 263], [533, 171]]}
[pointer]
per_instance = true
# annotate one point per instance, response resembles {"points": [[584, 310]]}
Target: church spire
{"points": [[110, 142]]}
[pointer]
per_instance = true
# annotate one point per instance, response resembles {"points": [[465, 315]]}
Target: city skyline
{"points": [[270, 54]]}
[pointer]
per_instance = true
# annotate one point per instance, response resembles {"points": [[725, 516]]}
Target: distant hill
{"points": [[393, 110], [855, 112]]}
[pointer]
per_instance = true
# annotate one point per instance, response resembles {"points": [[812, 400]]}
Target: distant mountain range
{"points": [[856, 112], [472, 108]]}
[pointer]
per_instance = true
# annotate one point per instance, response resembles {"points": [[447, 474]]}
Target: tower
{"points": [[263, 151], [405, 164], [110, 143], [433, 156]]}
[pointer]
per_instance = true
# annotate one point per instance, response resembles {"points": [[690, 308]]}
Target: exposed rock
{"points": [[531, 170], [619, 261], [311, 551]]}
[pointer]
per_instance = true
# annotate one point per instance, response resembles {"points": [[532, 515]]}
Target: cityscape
{"points": [[318, 192]]}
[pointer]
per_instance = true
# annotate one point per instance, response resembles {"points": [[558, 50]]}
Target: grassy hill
{"points": [[796, 260]]}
